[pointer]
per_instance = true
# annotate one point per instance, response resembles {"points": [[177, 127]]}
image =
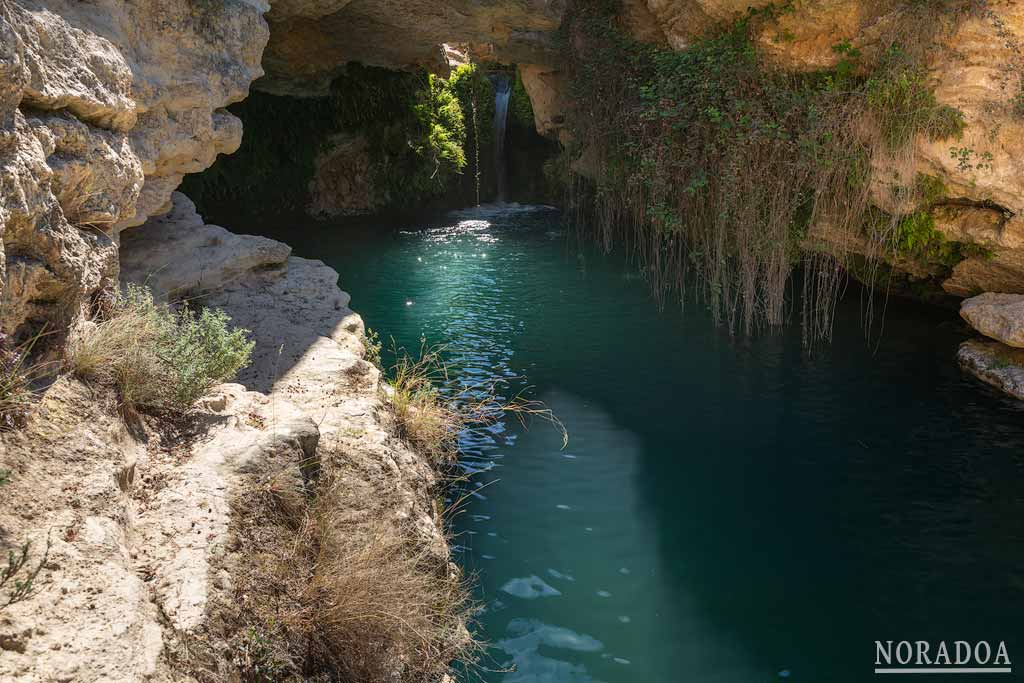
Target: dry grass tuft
{"points": [[338, 581], [17, 373], [385, 603], [333, 586], [432, 422]]}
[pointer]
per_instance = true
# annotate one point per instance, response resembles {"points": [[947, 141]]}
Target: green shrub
{"points": [[903, 104], [200, 351], [158, 358], [930, 188], [916, 238], [443, 130]]}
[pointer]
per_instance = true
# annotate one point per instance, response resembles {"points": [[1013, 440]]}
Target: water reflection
{"points": [[726, 510]]}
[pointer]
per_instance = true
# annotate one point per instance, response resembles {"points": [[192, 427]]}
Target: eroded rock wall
{"points": [[974, 59], [312, 40], [104, 106]]}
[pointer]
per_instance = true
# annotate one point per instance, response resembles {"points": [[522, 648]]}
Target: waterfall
{"points": [[502, 93]]}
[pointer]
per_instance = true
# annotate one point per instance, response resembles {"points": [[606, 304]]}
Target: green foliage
{"points": [[967, 159], [930, 188], [256, 657], [440, 115], [903, 104], [916, 238], [714, 157], [413, 125], [475, 94], [160, 359], [1017, 101], [18, 577], [371, 347], [976, 251], [718, 167], [520, 108], [470, 86], [200, 351], [5, 477]]}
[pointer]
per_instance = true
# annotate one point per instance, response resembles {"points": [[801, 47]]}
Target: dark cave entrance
{"points": [[383, 142]]}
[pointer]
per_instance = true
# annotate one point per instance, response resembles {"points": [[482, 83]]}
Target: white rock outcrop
{"points": [[141, 531], [999, 316], [130, 530], [104, 106]]}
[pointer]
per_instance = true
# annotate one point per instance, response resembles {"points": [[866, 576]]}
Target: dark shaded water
{"points": [[725, 511]]}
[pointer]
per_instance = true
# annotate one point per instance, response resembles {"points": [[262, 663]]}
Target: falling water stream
{"points": [[502, 94]]}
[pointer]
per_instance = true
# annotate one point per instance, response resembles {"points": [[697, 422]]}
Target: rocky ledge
{"points": [[154, 534], [998, 360], [994, 363]]}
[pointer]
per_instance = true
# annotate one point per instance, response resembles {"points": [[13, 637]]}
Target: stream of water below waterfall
{"points": [[726, 510]]}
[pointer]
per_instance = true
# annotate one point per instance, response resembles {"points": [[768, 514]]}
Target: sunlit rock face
{"points": [[312, 40], [998, 316], [547, 87], [104, 106]]}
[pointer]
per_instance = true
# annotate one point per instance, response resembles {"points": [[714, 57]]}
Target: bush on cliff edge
{"points": [[159, 359]]}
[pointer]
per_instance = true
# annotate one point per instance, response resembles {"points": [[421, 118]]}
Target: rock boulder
{"points": [[999, 316]]}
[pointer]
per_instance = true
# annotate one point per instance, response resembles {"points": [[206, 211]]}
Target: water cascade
{"points": [[502, 93]]}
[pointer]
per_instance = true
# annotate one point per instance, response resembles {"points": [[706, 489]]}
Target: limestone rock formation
{"points": [[312, 40], [994, 363], [215, 257], [999, 360], [342, 182], [999, 316], [547, 87], [131, 530], [103, 107]]}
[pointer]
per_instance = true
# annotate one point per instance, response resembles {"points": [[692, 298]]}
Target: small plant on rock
{"points": [[903, 104], [256, 658], [372, 346], [18, 577]]}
